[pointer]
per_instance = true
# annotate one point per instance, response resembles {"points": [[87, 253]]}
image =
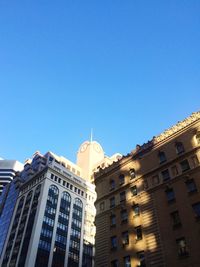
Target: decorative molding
{"points": [[154, 141]]}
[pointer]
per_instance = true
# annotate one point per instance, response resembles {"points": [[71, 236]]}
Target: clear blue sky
{"points": [[128, 69]]}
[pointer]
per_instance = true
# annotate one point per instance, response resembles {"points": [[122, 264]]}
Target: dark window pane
{"points": [[185, 165], [170, 195], [165, 175], [196, 208], [191, 186]]}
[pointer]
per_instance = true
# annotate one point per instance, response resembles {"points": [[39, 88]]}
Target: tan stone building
{"points": [[148, 202]]}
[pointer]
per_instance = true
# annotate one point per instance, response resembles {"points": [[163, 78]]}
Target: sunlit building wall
{"points": [[148, 203]]}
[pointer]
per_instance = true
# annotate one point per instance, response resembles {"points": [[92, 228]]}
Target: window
{"points": [[138, 233], [112, 185], [113, 241], [196, 208], [175, 219], [170, 195], [113, 220], [184, 165], [136, 210], [195, 161], [132, 173], [179, 148], [124, 216], [121, 179], [162, 156], [198, 138], [112, 202], [141, 258], [125, 238], [145, 184], [134, 190], [191, 186], [114, 263], [174, 170], [102, 206], [182, 248], [155, 180], [127, 261], [165, 175], [122, 196]]}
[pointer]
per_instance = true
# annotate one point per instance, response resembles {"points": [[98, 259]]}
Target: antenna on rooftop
{"points": [[91, 135]]}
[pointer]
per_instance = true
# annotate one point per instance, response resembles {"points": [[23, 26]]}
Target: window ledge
{"points": [[177, 226], [197, 218], [172, 201], [192, 192], [183, 256], [124, 221]]}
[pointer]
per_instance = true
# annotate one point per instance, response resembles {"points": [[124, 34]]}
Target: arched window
{"points": [[179, 147], [198, 138], [66, 197], [78, 202], [132, 173]]}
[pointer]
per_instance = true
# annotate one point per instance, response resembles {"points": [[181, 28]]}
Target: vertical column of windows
{"points": [[74, 246], [26, 240], [62, 231], [13, 233], [20, 231], [44, 246]]}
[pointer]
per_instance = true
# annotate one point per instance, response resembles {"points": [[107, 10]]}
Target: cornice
{"points": [[155, 141]]}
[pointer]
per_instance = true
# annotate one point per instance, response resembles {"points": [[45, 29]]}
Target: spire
{"points": [[91, 135]]}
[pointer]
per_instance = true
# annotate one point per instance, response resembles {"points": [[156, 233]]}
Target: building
{"points": [[47, 226], [53, 220], [8, 194], [7, 204], [148, 202], [91, 157], [8, 168]]}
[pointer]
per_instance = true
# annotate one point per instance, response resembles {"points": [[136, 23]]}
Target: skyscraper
{"points": [[8, 168], [48, 221], [8, 195]]}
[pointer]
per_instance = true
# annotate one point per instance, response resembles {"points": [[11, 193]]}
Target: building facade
{"points": [[148, 203], [8, 195], [47, 227], [8, 169]]}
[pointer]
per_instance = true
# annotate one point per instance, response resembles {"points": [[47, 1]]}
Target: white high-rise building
{"points": [[53, 221], [8, 169]]}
